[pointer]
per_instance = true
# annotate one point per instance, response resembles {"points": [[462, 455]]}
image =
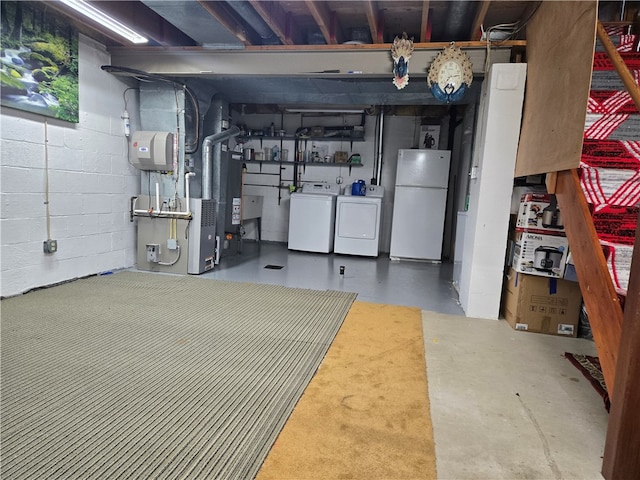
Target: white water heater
{"points": [[152, 150]]}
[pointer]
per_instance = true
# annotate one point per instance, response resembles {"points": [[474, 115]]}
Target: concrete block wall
{"points": [[90, 184]]}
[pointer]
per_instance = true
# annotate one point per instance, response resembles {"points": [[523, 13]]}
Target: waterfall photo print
{"points": [[39, 54]]}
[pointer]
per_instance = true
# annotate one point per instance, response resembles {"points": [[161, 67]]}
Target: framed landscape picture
{"points": [[39, 55]]}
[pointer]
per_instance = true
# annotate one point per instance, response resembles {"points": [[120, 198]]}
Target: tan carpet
{"points": [[365, 414]]}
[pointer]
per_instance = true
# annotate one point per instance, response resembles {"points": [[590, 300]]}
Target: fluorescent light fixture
{"points": [[105, 20], [322, 110]]}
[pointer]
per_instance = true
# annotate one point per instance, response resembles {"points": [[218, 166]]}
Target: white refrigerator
{"points": [[419, 205]]}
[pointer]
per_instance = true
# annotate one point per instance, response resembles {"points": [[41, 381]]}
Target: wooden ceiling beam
{"points": [[279, 21], [380, 29], [425, 24], [373, 19], [327, 22], [226, 20], [478, 21]]}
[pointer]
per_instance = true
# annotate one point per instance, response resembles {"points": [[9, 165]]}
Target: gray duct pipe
{"points": [[456, 27], [380, 146], [207, 157], [249, 15]]}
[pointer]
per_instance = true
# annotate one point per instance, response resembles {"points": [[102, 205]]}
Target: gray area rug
{"points": [[136, 375]]}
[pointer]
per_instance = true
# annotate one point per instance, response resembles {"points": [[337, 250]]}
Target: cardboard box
{"points": [[539, 213], [341, 157], [570, 270], [542, 305], [518, 192], [539, 254]]}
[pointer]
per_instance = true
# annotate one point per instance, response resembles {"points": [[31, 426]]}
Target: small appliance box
{"points": [[539, 213], [341, 157], [539, 254], [542, 305]]}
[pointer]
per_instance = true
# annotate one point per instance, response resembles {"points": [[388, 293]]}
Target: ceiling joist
{"points": [[221, 15], [279, 21], [373, 19], [326, 21], [478, 21], [425, 23]]}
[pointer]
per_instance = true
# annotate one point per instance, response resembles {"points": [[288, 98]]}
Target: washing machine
{"points": [[358, 220], [312, 215]]}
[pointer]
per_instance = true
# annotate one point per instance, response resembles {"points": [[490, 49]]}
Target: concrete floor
{"points": [[504, 404], [423, 285]]}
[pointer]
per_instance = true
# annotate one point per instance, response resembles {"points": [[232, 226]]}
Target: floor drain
{"points": [[274, 267]]}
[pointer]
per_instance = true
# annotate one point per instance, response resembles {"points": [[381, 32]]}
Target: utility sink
{"points": [[252, 206]]}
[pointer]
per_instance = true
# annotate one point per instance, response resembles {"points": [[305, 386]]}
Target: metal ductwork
{"points": [[196, 22], [211, 149], [255, 21], [209, 145], [380, 146], [456, 27], [221, 176]]}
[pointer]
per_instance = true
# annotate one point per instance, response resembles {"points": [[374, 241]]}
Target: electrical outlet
{"points": [[172, 202], [153, 252], [50, 246]]}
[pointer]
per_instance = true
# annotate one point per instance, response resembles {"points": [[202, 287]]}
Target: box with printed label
{"points": [[539, 254], [542, 305], [539, 213], [341, 157]]}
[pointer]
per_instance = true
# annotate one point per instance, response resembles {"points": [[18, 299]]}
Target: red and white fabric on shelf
{"points": [[610, 163]]}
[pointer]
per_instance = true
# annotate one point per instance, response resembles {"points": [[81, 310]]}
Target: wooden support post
{"points": [[619, 65], [599, 295], [622, 448]]}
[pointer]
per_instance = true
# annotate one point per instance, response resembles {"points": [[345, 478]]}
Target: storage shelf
{"points": [[346, 136], [304, 164], [292, 138], [334, 139]]}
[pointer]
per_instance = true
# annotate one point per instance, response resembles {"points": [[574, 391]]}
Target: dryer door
{"points": [[358, 220]]}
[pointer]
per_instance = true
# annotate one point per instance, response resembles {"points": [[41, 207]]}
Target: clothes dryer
{"points": [[312, 216], [358, 222]]}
